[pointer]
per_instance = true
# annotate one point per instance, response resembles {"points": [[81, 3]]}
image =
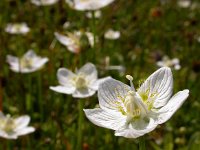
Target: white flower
{"points": [[66, 25], [166, 62], [11, 128], [97, 14], [83, 5], [184, 3], [72, 40], [134, 113], [29, 62], [43, 2], [82, 84], [111, 34], [17, 28]]}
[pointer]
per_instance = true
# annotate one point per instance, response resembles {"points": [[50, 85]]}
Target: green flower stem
{"points": [[28, 95], [142, 143], [80, 124], [40, 97]]}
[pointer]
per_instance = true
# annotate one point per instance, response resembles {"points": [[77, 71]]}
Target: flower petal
{"points": [[159, 85], [83, 93], [89, 70], [134, 133], [22, 122], [109, 93], [30, 54], [63, 89], [172, 106], [39, 62], [95, 85], [25, 131], [65, 76], [110, 120]]}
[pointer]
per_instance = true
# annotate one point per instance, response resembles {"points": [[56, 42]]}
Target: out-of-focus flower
{"points": [[184, 3], [72, 40], [29, 62], [66, 25], [121, 69], [11, 128], [17, 28], [97, 14], [83, 5], [83, 83], [166, 62], [43, 2], [134, 113], [112, 35]]}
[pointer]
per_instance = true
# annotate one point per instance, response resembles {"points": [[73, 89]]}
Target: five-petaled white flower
{"points": [[17, 28], [43, 2], [11, 128], [112, 35], [134, 113], [82, 84], [166, 62], [72, 40], [29, 62], [83, 5]]}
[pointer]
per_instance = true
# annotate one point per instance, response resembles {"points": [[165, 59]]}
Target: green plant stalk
{"points": [[28, 96], [40, 97], [80, 124], [142, 145]]}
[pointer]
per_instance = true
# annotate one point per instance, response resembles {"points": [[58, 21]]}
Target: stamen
{"points": [[130, 78]]}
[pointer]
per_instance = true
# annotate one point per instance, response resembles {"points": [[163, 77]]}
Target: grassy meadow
{"points": [[149, 30]]}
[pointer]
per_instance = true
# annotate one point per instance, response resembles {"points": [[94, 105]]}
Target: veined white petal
{"points": [[65, 76], [159, 85], [172, 106], [133, 133], [95, 85], [21, 122], [111, 120], [83, 93], [109, 93], [89, 70], [63, 89], [24, 131]]}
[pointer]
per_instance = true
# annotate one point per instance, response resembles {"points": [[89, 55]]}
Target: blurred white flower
{"points": [[112, 35], [81, 84], [11, 128], [184, 3], [97, 14], [166, 62], [29, 62], [134, 113], [83, 5], [17, 28], [72, 40], [43, 2], [66, 25]]}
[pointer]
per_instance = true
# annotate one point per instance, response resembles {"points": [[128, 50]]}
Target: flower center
{"points": [[26, 62], [7, 124], [80, 82]]}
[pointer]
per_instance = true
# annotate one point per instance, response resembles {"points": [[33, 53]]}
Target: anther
{"points": [[130, 78]]}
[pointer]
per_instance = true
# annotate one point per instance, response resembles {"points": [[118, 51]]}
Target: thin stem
{"points": [[40, 96], [142, 143], [80, 124], [28, 95]]}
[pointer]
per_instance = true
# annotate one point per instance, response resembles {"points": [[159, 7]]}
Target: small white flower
{"points": [[97, 14], [44, 2], [72, 40], [17, 28], [112, 35], [66, 25], [83, 5], [166, 62], [29, 62], [184, 3], [11, 128], [83, 83], [134, 113]]}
